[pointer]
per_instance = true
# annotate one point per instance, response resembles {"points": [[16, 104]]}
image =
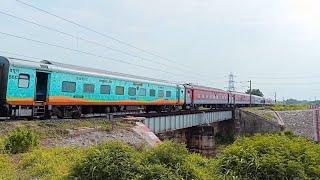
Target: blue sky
{"points": [[273, 42]]}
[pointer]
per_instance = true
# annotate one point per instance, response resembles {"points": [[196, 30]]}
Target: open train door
{"points": [[41, 86], [42, 83]]}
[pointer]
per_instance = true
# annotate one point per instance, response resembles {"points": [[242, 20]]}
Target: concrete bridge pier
{"points": [[203, 139]]}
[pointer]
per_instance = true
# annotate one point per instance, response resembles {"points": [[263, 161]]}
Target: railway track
{"points": [[110, 116]]}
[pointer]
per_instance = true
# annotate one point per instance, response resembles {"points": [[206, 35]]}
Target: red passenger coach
{"points": [[205, 96]]}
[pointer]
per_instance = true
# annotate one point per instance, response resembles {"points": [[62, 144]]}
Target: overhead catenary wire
{"points": [[82, 39], [32, 58], [101, 34], [88, 53], [287, 77], [94, 42], [21, 55]]}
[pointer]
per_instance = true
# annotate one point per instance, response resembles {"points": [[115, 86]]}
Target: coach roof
{"points": [[56, 66]]}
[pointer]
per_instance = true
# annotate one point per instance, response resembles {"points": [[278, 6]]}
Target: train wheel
{"points": [[76, 112], [58, 112], [76, 115]]}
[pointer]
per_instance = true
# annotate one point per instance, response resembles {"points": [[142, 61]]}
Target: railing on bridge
{"points": [[180, 121]]}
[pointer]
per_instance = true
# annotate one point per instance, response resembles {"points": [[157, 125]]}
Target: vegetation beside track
{"points": [[59, 128], [263, 112], [271, 157], [289, 107], [267, 112], [277, 156]]}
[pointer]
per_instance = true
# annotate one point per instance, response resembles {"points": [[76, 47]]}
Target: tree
{"points": [[256, 92]]}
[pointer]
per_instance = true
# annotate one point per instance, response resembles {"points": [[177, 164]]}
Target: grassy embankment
{"points": [[258, 157], [273, 156], [44, 162], [288, 107]]}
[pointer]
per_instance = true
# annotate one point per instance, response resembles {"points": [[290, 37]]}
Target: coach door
{"points": [[178, 94], [42, 86]]}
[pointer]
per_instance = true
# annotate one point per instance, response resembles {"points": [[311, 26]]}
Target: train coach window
{"points": [[132, 91], [168, 93], [68, 86], [142, 92], [152, 92], [160, 93], [119, 90], [88, 88], [105, 89], [24, 80]]}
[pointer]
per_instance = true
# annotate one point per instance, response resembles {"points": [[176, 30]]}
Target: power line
{"points": [[291, 77], [99, 33], [21, 55], [94, 42], [80, 38], [41, 59], [285, 83], [88, 53]]}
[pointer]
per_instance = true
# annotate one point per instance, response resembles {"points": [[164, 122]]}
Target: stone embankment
{"points": [[300, 122], [248, 122]]}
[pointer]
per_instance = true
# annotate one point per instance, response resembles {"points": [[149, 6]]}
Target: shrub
{"points": [[271, 157], [225, 138], [113, 160], [20, 141], [199, 167], [175, 158], [55, 163], [159, 172]]}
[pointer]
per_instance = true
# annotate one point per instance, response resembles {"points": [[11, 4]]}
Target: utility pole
{"points": [[250, 93], [275, 97]]}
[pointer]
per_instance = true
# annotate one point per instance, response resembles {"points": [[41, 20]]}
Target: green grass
{"points": [[276, 156], [271, 157], [269, 116], [7, 169], [53, 163], [288, 107], [263, 112]]}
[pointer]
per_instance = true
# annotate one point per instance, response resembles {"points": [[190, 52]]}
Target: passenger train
{"points": [[44, 89]]}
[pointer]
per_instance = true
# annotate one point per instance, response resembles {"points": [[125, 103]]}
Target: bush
{"points": [[175, 158], [225, 138], [271, 157], [55, 163], [20, 141], [113, 160], [159, 172]]}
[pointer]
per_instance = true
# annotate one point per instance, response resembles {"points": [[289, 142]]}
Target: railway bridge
{"points": [[176, 121], [197, 129], [202, 130]]}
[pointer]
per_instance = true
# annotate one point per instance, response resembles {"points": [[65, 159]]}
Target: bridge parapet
{"points": [[180, 121]]}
